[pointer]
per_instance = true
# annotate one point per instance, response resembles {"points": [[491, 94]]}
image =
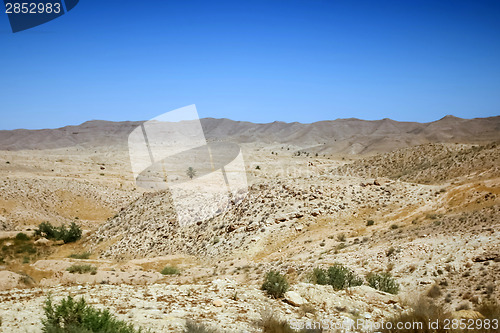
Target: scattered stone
{"points": [[218, 303], [294, 298], [43, 242]]}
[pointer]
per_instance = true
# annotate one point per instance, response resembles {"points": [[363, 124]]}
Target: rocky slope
{"points": [[221, 304], [148, 226], [430, 163]]}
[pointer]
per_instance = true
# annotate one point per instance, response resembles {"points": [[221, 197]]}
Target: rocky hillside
{"points": [[430, 163], [148, 227]]}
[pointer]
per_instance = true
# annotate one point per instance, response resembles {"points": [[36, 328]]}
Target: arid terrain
{"points": [[418, 201]]}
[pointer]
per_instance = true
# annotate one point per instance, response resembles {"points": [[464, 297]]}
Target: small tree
{"points": [[190, 172]]}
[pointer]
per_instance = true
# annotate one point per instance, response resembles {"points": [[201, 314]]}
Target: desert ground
{"points": [[418, 201]]}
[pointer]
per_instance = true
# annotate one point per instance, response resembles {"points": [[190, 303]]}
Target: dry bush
{"points": [[434, 291], [271, 324], [490, 310], [82, 269], [423, 312], [193, 327]]}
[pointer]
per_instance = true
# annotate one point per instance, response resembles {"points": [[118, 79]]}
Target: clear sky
{"points": [[259, 61]]}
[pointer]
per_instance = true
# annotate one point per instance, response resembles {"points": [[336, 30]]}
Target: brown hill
{"points": [[348, 136]]}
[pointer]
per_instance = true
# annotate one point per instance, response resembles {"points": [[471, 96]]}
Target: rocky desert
{"points": [[345, 221]]}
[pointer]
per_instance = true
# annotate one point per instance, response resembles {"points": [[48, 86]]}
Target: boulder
{"points": [[218, 303], [9, 280], [371, 295], [467, 314], [43, 242], [487, 256], [293, 298]]}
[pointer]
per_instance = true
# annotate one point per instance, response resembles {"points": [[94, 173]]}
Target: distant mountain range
{"points": [[347, 136]]}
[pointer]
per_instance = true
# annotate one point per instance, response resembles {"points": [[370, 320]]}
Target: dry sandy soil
{"points": [[434, 209]]}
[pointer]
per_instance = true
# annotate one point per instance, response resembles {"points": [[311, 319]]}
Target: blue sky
{"points": [[258, 61]]}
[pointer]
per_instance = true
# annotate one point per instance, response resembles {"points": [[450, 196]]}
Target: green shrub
{"points": [[72, 234], [82, 269], [84, 255], [383, 282], [370, 222], [319, 276], [72, 316], [275, 284], [46, 229], [22, 236], [170, 270], [341, 277], [26, 248], [338, 276]]}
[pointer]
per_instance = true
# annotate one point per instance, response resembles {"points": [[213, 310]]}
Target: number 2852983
{"points": [[32, 8]]}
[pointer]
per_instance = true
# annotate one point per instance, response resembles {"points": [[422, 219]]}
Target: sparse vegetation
{"points": [[275, 284], [82, 269], [271, 324], [170, 270], [422, 313], [70, 316], [190, 172], [370, 223], [434, 291], [319, 276], [383, 282], [194, 327], [22, 236], [425, 311], [47, 230], [84, 255], [489, 309], [338, 276]]}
